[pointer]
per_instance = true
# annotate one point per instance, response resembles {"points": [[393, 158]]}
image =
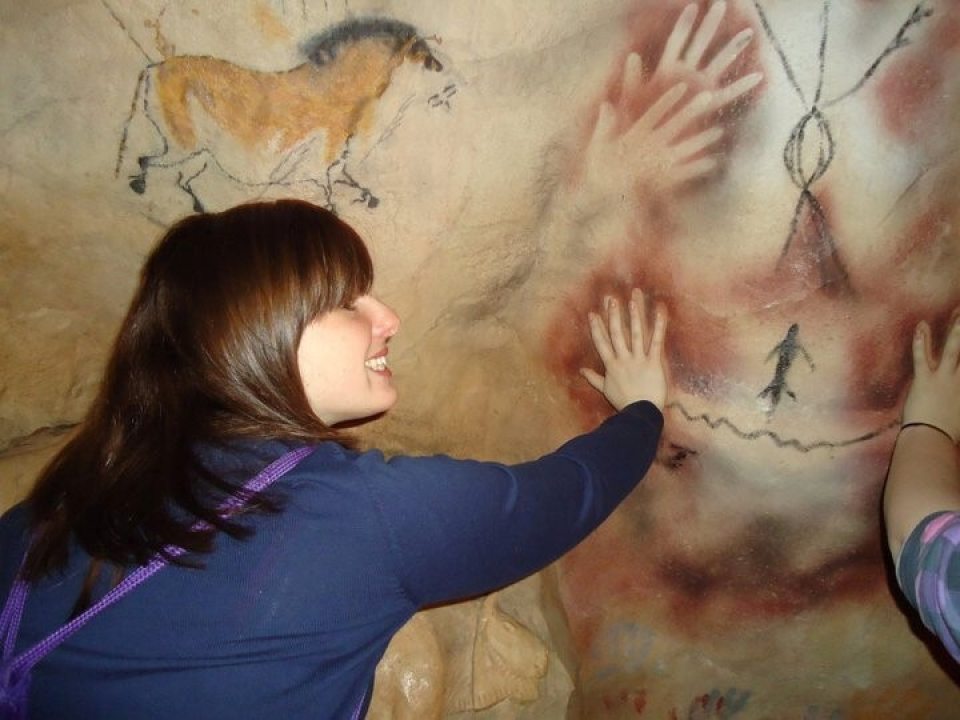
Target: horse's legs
{"points": [[186, 187], [339, 166], [138, 182], [366, 195], [327, 186]]}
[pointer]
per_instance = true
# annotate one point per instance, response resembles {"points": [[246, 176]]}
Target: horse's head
{"points": [[397, 39], [420, 52]]}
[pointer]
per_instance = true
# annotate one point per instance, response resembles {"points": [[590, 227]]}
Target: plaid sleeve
{"points": [[928, 570]]}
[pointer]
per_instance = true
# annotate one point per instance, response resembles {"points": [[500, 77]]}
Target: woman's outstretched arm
{"points": [[924, 475], [922, 498], [459, 527]]}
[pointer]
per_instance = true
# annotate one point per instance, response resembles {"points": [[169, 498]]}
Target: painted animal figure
{"points": [[263, 129], [786, 351]]}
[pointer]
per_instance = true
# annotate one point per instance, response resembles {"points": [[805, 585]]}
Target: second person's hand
{"points": [[632, 357], [934, 395]]}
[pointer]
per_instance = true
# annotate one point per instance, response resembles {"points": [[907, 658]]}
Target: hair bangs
{"points": [[340, 271]]}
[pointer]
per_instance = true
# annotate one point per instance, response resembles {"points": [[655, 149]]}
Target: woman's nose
{"points": [[387, 322]]}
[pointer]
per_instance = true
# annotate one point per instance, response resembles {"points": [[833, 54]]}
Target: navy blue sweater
{"points": [[291, 622]]}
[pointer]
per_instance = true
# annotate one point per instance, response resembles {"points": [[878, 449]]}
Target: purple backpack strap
{"points": [[15, 671]]}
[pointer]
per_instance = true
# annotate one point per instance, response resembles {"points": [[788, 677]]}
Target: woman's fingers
{"points": [[617, 339], [611, 340], [594, 378], [659, 332], [601, 339], [921, 349], [638, 330], [635, 372], [951, 348]]}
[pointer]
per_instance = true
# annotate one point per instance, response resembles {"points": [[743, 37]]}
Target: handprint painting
{"points": [[782, 177]]}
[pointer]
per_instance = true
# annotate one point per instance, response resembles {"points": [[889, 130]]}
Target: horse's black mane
{"points": [[323, 47]]}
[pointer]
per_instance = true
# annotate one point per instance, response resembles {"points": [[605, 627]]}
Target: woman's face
{"points": [[342, 359]]}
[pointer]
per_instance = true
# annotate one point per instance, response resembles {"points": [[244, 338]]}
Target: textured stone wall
{"points": [[781, 175]]}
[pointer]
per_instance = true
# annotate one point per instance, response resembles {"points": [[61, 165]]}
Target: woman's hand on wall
{"points": [[934, 395], [632, 356]]}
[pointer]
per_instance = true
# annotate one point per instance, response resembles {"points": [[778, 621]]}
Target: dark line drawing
{"points": [[786, 351], [391, 126], [442, 98], [900, 40], [714, 423], [126, 30], [809, 221]]}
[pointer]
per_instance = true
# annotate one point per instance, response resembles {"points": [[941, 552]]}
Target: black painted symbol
{"points": [[442, 98], [809, 225], [715, 423], [786, 351]]}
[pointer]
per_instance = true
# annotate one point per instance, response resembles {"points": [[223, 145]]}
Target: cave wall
{"points": [[780, 175]]}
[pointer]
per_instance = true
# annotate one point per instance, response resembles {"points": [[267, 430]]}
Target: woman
{"points": [[922, 495], [252, 335]]}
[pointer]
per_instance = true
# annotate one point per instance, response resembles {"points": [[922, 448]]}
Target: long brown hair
{"points": [[206, 352]]}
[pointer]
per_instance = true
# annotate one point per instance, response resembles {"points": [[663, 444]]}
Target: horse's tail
{"points": [[139, 97]]}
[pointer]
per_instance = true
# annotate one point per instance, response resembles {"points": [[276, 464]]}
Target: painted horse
{"points": [[264, 129]]}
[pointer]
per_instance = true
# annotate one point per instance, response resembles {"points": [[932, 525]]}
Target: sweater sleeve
{"points": [[459, 528], [928, 571]]}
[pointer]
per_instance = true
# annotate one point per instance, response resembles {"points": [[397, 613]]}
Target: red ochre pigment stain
{"points": [[881, 360], [738, 581], [751, 576], [812, 259], [635, 700], [698, 349], [922, 235], [910, 87], [647, 33]]}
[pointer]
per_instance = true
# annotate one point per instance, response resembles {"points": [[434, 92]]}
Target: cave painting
{"points": [[267, 129], [809, 224], [786, 352], [781, 177]]}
